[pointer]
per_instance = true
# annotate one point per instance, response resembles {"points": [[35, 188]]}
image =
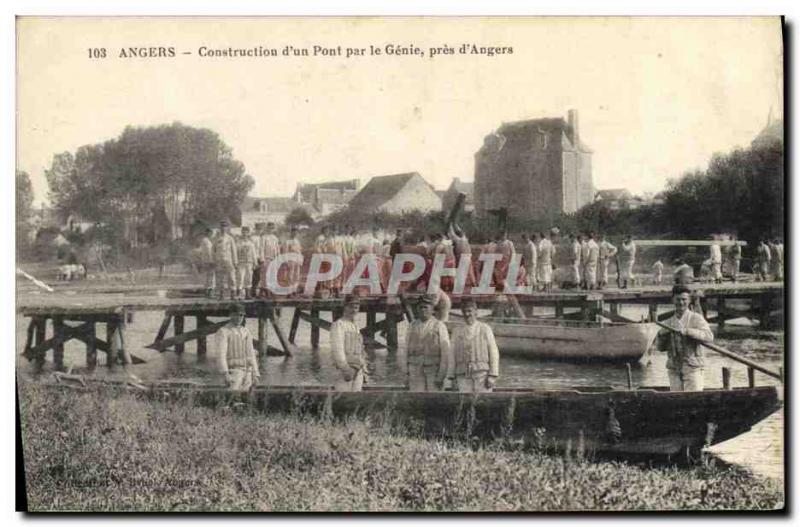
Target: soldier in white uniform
{"points": [[546, 254], [529, 259], [293, 269], [607, 252], [270, 249], [225, 261], [592, 255], [246, 254], [429, 356], [575, 260], [685, 363], [716, 262], [627, 258], [475, 352], [347, 349], [237, 358]]}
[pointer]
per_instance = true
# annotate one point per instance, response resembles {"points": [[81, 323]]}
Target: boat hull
{"points": [[609, 343], [639, 422]]}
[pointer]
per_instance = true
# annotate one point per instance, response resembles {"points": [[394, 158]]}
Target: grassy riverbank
{"points": [[88, 451]]}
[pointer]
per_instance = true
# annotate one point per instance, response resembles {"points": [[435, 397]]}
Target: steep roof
{"points": [[518, 134], [381, 189]]}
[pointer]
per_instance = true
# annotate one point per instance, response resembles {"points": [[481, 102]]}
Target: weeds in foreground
{"points": [[89, 451]]}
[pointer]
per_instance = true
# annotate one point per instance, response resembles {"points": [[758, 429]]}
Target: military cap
{"points": [[237, 309], [352, 299]]}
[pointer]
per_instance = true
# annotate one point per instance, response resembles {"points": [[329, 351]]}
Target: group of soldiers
{"points": [[237, 266], [466, 361], [469, 361]]}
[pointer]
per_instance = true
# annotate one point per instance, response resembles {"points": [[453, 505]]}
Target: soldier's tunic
{"points": [[207, 261], [476, 356], [461, 248], [270, 249], [347, 351], [627, 257], [777, 261], [246, 254], [607, 251], [529, 261], [590, 263], [225, 262], [686, 361], [546, 250], [430, 358], [236, 356]]}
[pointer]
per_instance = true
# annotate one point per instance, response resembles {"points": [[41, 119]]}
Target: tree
{"points": [[299, 216], [24, 210], [150, 183]]}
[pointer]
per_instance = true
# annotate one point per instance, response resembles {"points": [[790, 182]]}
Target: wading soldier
{"points": [[685, 363], [429, 356], [347, 349], [477, 359], [225, 261], [237, 358], [246, 254], [207, 261]]}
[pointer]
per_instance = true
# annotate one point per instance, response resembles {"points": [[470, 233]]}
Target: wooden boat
{"points": [[645, 421], [570, 340]]}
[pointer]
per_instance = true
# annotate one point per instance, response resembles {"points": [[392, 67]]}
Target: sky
{"points": [[656, 96]]}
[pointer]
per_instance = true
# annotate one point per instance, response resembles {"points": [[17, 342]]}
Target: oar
{"points": [[728, 353]]}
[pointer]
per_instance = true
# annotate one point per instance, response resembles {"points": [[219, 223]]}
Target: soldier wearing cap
{"points": [[477, 359], [225, 261], [685, 363], [429, 355], [347, 349], [237, 358]]}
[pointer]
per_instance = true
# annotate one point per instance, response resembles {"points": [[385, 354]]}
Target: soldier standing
{"points": [[246, 254], [607, 251], [347, 348], [237, 358], [207, 261], [225, 261], [430, 358], [477, 359], [270, 249]]}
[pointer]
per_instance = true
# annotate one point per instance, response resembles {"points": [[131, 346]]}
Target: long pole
{"points": [[729, 354]]}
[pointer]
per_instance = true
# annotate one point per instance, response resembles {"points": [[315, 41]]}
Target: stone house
{"points": [[397, 194], [535, 169], [328, 197]]}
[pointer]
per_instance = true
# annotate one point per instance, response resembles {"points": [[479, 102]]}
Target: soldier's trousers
{"points": [[590, 274], [225, 276], [245, 280]]}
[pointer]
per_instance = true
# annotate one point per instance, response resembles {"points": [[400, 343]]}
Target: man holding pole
{"points": [[687, 329]]}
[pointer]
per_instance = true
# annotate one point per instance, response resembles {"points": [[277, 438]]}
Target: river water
{"points": [[760, 450]]}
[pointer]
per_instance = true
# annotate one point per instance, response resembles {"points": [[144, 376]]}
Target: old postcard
{"points": [[400, 264]]}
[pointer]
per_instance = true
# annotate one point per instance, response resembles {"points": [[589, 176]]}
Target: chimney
{"points": [[572, 120]]}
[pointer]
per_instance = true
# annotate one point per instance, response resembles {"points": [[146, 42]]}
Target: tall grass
{"points": [[112, 451]]}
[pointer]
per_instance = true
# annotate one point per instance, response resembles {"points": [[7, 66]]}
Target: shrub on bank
{"points": [[89, 451]]}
